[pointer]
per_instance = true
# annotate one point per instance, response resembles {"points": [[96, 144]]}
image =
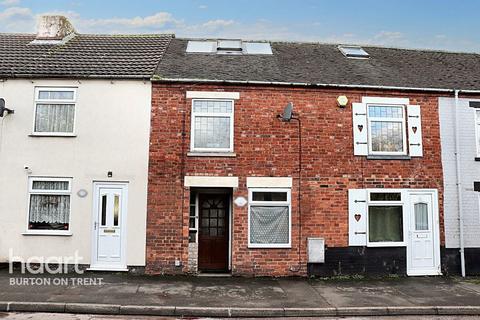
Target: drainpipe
{"points": [[459, 183]]}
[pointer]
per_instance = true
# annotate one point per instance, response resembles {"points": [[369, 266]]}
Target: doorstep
{"points": [[107, 268], [214, 274]]}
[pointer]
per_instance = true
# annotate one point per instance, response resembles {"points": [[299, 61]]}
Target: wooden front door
{"points": [[213, 232]]}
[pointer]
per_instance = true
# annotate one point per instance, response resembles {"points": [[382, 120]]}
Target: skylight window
{"points": [[353, 52], [227, 46]]}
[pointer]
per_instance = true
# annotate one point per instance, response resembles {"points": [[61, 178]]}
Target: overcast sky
{"points": [[438, 24]]}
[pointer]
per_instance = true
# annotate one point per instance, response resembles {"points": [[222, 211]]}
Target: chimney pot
{"points": [[54, 28]]}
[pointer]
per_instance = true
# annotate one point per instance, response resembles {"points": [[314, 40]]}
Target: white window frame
{"points": [[32, 191], [210, 115], [402, 203], [37, 101], [271, 204], [477, 130], [196, 219], [380, 119]]}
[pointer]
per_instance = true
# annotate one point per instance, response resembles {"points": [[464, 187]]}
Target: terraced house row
{"points": [[157, 154]]}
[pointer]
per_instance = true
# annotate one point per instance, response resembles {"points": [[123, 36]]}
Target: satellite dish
{"points": [[287, 112], [3, 109]]}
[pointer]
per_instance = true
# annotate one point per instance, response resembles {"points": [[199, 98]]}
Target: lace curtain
{"points": [[54, 117], [269, 225], [49, 208]]}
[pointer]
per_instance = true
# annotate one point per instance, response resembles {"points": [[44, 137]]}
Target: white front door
{"points": [[110, 209], [423, 248]]}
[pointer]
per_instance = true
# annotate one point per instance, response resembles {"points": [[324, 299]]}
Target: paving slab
{"points": [[360, 293]]}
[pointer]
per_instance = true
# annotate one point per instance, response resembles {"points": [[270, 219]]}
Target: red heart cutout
{"points": [[360, 127], [414, 129], [358, 216]]}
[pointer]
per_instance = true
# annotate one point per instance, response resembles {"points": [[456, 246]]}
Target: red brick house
{"points": [[342, 187]]}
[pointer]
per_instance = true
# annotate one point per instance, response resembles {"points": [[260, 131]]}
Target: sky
{"points": [[428, 24]]}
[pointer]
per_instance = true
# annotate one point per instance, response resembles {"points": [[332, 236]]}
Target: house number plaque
{"points": [[240, 201]]}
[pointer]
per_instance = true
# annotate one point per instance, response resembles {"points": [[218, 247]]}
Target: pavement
{"points": [[64, 316], [120, 293]]}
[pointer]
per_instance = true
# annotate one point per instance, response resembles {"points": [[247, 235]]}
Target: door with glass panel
{"points": [[422, 249], [109, 228], [213, 238]]}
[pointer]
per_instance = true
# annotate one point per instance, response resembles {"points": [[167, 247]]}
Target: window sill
{"points": [[48, 233], [212, 154], [388, 157], [50, 135], [266, 246], [386, 244]]}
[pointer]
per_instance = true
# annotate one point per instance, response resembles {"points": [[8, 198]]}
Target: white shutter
{"points": [[357, 217], [415, 131], [360, 137]]}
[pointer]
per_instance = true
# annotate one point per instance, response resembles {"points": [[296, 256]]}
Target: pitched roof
{"points": [[324, 64], [83, 56]]}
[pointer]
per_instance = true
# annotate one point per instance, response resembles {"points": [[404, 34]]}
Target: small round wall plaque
{"points": [[240, 201], [82, 193]]}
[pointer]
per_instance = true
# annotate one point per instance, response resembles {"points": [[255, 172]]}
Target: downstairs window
{"points": [[49, 204], [269, 218]]}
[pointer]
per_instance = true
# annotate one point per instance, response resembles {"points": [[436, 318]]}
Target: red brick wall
{"points": [[265, 146]]}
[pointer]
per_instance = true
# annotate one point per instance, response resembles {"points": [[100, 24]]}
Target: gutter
{"points": [[73, 77], [307, 84], [456, 125]]}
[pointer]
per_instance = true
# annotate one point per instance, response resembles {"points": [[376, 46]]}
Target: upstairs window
{"points": [[477, 130], [212, 125], [386, 128], [54, 111]]}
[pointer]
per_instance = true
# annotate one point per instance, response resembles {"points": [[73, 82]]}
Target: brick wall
{"points": [[265, 146]]}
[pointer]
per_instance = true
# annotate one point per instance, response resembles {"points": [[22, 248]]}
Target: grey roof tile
{"points": [[83, 56], [315, 63]]}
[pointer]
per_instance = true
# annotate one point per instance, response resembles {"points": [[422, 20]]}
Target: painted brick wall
{"points": [[266, 146], [470, 172]]}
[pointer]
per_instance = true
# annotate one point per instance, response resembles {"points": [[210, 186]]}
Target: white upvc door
{"points": [[423, 249], [109, 227]]}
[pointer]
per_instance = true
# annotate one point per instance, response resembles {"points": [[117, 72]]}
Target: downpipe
{"points": [[459, 183]]}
